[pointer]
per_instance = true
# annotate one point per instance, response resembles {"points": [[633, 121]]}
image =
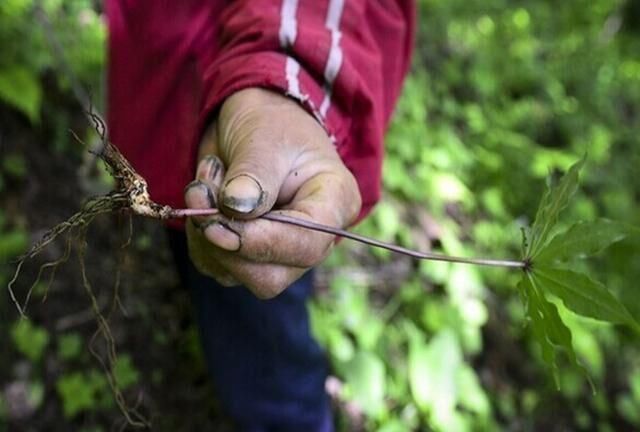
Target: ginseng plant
{"points": [[544, 263]]}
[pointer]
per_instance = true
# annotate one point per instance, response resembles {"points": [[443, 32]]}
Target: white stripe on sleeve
{"points": [[288, 23], [334, 60], [292, 68]]}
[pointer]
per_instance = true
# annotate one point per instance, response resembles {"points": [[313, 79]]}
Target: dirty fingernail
{"points": [[242, 194], [209, 168], [199, 195], [222, 236]]}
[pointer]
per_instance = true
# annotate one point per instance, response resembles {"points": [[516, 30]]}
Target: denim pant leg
{"points": [[267, 369]]}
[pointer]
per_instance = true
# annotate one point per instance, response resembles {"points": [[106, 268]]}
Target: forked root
{"points": [[95, 206], [131, 194]]}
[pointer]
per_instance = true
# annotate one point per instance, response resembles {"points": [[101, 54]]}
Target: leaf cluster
{"points": [[548, 276]]}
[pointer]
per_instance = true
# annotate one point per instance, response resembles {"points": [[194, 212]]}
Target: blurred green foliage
{"points": [[501, 95], [22, 65], [32, 84], [29, 339], [83, 391], [89, 390]]}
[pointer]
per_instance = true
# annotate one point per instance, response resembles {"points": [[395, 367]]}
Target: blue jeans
{"points": [[267, 369]]}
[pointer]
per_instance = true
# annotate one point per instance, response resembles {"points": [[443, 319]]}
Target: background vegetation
{"points": [[502, 93]]}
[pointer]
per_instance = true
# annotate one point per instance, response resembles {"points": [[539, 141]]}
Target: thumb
{"points": [[255, 174], [261, 136]]}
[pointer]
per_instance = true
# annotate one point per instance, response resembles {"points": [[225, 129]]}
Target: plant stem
{"points": [[182, 213], [277, 217]]}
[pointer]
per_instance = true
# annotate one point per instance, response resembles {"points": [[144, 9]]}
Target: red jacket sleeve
{"points": [[344, 60]]}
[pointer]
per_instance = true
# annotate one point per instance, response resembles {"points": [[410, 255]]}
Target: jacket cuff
{"points": [[268, 70]]}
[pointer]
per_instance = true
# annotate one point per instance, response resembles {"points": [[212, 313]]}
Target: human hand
{"points": [[276, 156]]}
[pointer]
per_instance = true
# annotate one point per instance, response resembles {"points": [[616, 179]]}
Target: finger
{"points": [[209, 141], [216, 227], [197, 195], [221, 234], [202, 193], [262, 279], [204, 259], [266, 281], [258, 152], [211, 172], [265, 241]]}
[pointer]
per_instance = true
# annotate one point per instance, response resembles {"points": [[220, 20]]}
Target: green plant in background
{"points": [[29, 339], [70, 346], [440, 382], [22, 64], [86, 391], [31, 85], [82, 391], [500, 95], [13, 239], [629, 404]]}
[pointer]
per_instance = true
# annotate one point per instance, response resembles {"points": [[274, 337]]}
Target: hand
{"points": [[276, 156]]}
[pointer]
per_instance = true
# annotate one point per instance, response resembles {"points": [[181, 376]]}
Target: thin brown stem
{"points": [[277, 217]]}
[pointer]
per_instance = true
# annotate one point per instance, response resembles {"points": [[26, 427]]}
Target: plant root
{"points": [[133, 418], [131, 194], [94, 207]]}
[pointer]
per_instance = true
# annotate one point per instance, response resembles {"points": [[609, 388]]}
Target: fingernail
{"points": [[242, 194], [203, 187], [212, 198], [195, 183], [222, 236], [209, 167]]}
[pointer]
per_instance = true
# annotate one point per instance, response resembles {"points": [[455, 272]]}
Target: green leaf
{"points": [[554, 200], [20, 88], [538, 327], [584, 239], [365, 376], [76, 393], [30, 339], [125, 372], [584, 296], [69, 346], [550, 332]]}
